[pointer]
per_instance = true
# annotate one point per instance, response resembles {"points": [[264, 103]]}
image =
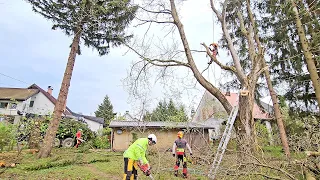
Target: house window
{"points": [[3, 105], [13, 105], [31, 103]]}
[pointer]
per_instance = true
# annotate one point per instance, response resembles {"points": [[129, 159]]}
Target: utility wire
{"points": [[13, 78]]}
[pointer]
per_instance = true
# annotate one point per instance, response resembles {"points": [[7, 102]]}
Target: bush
{"points": [[262, 134], [67, 128], [7, 136], [303, 132], [101, 142]]}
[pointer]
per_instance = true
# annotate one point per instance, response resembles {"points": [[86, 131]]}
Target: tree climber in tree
{"points": [[135, 156], [178, 151], [214, 50]]}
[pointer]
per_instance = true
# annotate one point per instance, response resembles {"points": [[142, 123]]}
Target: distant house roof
{"points": [[129, 117], [160, 124], [258, 113], [92, 118], [233, 100], [19, 94], [50, 97]]}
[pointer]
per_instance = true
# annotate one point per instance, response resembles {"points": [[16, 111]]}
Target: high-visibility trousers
{"points": [[130, 169]]}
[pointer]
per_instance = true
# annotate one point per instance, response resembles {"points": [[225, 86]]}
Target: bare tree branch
{"points": [[164, 11], [163, 63], [216, 11], [206, 84], [144, 21], [240, 73]]}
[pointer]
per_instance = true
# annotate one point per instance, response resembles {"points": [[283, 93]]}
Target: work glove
{"points": [[173, 155]]}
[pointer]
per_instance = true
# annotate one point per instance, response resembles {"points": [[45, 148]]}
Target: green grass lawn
{"points": [[100, 164], [78, 164]]}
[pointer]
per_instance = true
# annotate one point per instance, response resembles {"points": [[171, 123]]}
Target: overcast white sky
{"points": [[33, 53]]}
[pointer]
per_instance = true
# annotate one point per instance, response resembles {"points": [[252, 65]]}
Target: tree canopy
{"points": [[101, 22], [167, 111], [284, 47], [105, 111]]}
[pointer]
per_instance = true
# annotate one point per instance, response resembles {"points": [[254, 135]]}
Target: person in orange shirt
{"points": [[78, 136]]}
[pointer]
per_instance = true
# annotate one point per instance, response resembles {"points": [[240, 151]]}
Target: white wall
{"points": [[42, 105], [94, 126], [8, 111], [12, 112]]}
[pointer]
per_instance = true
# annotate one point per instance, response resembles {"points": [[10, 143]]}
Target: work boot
{"points": [[176, 173], [185, 176], [185, 172]]}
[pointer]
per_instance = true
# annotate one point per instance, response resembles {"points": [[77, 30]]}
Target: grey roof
{"points": [[267, 107], [92, 118], [161, 124]]}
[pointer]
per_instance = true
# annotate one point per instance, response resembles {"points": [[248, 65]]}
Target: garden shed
{"points": [[125, 133]]}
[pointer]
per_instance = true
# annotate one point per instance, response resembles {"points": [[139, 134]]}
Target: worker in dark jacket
{"points": [[179, 151]]}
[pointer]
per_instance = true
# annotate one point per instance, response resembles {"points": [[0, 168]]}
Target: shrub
{"points": [[7, 136], [101, 142], [67, 128]]}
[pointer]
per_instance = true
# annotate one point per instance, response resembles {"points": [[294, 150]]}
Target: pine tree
{"points": [[105, 111], [95, 23], [167, 112], [284, 46]]}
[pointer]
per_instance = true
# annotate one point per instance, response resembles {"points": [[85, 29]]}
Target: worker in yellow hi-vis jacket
{"points": [[135, 157]]}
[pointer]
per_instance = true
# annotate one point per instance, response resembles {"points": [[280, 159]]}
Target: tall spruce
{"points": [[105, 111], [294, 56], [99, 24]]}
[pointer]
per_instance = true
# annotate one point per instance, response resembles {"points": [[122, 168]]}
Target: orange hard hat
{"points": [[180, 134], [214, 44]]}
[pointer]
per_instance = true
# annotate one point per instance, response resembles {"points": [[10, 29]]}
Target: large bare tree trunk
{"points": [[206, 84], [244, 125], [308, 55], [59, 107], [277, 113]]}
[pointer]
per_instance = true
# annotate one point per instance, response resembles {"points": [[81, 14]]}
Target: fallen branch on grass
{"points": [[312, 153], [308, 174], [272, 167], [253, 173], [108, 155], [61, 163]]}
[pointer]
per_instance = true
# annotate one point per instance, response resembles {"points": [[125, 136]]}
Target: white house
{"points": [[210, 111], [19, 102], [94, 123], [31, 100]]}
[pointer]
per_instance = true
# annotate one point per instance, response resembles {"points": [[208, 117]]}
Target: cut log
{"points": [[312, 153], [309, 175]]}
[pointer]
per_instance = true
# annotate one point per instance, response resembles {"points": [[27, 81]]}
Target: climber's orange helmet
{"points": [[180, 134], [214, 44]]}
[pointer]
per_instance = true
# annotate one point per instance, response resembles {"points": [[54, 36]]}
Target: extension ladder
{"points": [[223, 142]]}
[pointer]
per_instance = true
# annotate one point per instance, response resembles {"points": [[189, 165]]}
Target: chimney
{"points": [[50, 90], [228, 92]]}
